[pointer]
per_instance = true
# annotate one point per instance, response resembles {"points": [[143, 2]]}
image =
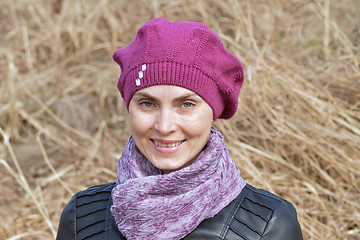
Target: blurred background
{"points": [[296, 133]]}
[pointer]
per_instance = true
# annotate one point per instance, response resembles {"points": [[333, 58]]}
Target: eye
{"points": [[188, 104], [146, 104]]}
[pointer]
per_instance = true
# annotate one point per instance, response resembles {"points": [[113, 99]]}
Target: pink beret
{"points": [[184, 54]]}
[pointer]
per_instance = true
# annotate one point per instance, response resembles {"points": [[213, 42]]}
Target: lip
{"points": [[167, 149]]}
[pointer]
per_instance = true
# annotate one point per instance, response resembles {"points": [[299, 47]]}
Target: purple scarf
{"points": [[151, 205]]}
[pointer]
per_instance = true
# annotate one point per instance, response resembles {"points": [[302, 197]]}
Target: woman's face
{"points": [[170, 125]]}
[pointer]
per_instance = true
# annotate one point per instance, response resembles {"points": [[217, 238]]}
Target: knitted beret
{"points": [[184, 54]]}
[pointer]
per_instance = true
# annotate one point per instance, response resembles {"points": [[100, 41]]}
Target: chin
{"points": [[172, 168]]}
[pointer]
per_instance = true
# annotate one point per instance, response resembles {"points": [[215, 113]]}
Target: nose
{"points": [[165, 122]]}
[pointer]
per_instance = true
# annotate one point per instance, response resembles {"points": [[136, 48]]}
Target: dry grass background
{"points": [[296, 133]]}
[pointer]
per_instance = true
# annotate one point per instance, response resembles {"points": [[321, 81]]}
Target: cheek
{"points": [[138, 124], [200, 124]]}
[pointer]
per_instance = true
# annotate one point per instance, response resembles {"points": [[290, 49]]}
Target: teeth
{"points": [[167, 145]]}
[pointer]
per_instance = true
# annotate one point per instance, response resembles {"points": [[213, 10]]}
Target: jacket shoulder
{"points": [[263, 215], [86, 213]]}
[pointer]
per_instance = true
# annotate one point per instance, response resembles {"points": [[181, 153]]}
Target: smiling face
{"points": [[170, 125]]}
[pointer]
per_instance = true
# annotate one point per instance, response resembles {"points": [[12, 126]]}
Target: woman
{"points": [[175, 178]]}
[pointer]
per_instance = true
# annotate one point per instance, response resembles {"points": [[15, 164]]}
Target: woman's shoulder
{"points": [[254, 214], [90, 198], [262, 197], [97, 189], [86, 213], [261, 213]]}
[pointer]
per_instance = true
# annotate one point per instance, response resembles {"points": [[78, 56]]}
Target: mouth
{"points": [[167, 144]]}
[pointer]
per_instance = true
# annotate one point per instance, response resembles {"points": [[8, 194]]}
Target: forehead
{"points": [[168, 91]]}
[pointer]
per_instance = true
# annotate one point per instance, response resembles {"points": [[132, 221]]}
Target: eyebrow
{"points": [[187, 95]]}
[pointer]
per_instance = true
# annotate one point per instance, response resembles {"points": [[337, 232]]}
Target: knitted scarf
{"points": [[150, 205]]}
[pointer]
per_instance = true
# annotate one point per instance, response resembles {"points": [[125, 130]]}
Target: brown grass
{"points": [[296, 133]]}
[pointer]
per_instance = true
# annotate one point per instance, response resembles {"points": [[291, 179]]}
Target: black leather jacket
{"points": [[254, 214]]}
